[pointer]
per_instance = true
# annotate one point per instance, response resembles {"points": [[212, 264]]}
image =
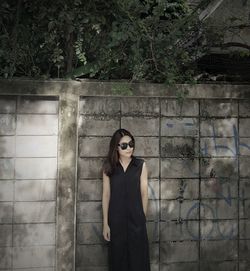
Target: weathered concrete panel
{"points": [[38, 105], [36, 168], [219, 266], [244, 125], [141, 126], [5, 257], [33, 235], [225, 250], [6, 212], [90, 168], [244, 211], [146, 146], [5, 236], [218, 127], [244, 226], [179, 147], [173, 107], [6, 168], [99, 106], [35, 190], [135, 106], [7, 146], [180, 267], [244, 250], [36, 146], [26, 257], [6, 191], [7, 104], [94, 126], [153, 189], [7, 124], [244, 167], [244, 146], [25, 212], [244, 108], [179, 188], [179, 168], [93, 146], [185, 251], [215, 108], [89, 190], [89, 211], [179, 126], [28, 124]]}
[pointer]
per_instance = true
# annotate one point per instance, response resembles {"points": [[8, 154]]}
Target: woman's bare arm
{"points": [[105, 197], [144, 187]]}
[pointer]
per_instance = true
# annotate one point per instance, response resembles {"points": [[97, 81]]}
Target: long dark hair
{"points": [[112, 158]]}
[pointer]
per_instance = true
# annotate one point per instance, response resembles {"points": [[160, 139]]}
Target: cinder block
{"points": [[244, 125], [90, 211], [36, 168], [219, 188], [218, 147], [90, 190], [222, 108], [219, 229], [7, 146], [173, 209], [5, 257], [35, 190], [154, 253], [179, 168], [27, 257], [90, 233], [219, 266], [184, 188], [5, 236], [6, 211], [94, 125], [222, 250], [244, 146], [6, 190], [172, 107], [36, 104], [180, 267], [7, 124], [152, 167], [153, 211], [179, 126], [186, 251], [219, 209], [7, 104], [99, 106], [244, 229], [25, 212], [94, 255], [218, 127], [219, 167], [6, 168], [141, 126], [244, 108], [173, 231], [153, 189], [244, 189], [137, 106], [153, 231], [90, 168], [28, 124], [36, 146], [146, 146], [244, 208], [93, 146], [244, 167], [179, 147], [243, 265], [33, 234]]}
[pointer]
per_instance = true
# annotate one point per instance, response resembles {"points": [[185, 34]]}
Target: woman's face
{"points": [[128, 151]]}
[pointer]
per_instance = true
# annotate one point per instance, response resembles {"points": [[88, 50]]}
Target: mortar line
{"points": [[199, 197], [159, 190]]}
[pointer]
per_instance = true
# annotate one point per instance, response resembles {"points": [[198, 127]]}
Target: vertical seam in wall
{"points": [[77, 98], [238, 202], [199, 196], [159, 177]]}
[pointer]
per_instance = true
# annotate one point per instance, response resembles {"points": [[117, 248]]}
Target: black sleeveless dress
{"points": [[128, 248]]}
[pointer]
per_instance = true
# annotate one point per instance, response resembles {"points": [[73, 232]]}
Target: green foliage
{"points": [[133, 39]]}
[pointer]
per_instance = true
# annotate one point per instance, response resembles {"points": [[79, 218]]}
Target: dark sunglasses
{"points": [[124, 145]]}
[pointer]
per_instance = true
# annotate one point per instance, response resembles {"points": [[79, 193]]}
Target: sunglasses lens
{"points": [[125, 145]]}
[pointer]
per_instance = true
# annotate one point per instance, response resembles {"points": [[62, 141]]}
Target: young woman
{"points": [[124, 202]]}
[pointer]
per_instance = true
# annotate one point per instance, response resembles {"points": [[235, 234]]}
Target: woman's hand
{"points": [[106, 232]]}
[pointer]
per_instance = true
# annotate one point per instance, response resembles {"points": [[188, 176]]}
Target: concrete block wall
{"points": [[54, 136], [197, 154], [28, 175]]}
